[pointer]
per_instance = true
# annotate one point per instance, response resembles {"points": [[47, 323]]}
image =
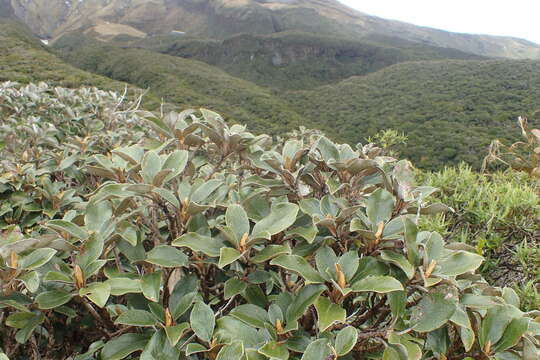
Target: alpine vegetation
{"points": [[127, 234]]}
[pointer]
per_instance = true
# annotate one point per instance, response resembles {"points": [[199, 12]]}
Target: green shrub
{"points": [[128, 235]]}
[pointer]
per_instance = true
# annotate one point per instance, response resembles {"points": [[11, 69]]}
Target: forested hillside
{"points": [[183, 82], [297, 60], [449, 109]]}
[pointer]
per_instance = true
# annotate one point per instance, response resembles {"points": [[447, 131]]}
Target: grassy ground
{"points": [[498, 214]]}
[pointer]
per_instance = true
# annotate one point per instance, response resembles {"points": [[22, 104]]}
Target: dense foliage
{"points": [[296, 60], [126, 234], [449, 110]]}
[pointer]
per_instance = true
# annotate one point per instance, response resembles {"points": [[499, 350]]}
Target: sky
{"points": [[518, 18]]}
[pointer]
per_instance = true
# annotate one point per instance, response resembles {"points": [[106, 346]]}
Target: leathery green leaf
{"points": [[328, 313], [303, 300], [166, 256], [97, 215], [98, 293], [120, 347], [202, 321], [459, 263], [30, 280], [122, 286], [299, 265], [233, 287], [200, 243], [233, 351], [250, 314], [378, 284], [227, 256], [317, 350], [270, 252], [19, 320], [69, 227], [512, 334], [345, 340], [53, 298], [36, 258], [174, 333], [432, 312], [176, 162], [398, 260], [151, 284], [237, 220], [280, 218], [274, 350], [136, 317], [380, 205], [159, 348], [151, 165]]}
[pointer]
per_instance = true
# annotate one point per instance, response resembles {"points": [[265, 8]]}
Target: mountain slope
{"points": [[296, 60], [183, 83], [221, 19], [450, 110], [23, 58], [6, 11]]}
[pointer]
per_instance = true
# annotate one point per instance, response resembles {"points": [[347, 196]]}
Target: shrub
{"points": [[129, 235], [521, 155]]}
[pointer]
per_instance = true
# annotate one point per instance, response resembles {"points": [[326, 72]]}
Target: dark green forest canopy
{"points": [[450, 110], [297, 60]]}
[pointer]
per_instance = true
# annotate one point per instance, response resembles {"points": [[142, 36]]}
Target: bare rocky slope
{"points": [[224, 18]]}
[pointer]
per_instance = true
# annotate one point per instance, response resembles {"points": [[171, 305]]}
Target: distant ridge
{"points": [[220, 19]]}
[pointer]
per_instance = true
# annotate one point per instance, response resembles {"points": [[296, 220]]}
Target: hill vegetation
{"points": [[183, 82], [23, 58], [221, 19], [449, 109], [296, 60]]}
